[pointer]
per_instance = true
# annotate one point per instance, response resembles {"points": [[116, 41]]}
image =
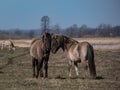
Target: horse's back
{"points": [[6, 43], [36, 48], [78, 51]]}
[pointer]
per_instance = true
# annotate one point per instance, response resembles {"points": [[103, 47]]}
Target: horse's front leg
{"points": [[9, 47], [76, 68], [2, 46], [69, 69], [46, 66]]}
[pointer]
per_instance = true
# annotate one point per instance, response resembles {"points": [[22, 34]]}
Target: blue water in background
{"points": [[94, 44]]}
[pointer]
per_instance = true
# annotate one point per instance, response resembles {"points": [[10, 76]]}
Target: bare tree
{"points": [[18, 32], [56, 29], [45, 24], [72, 31], [31, 33]]}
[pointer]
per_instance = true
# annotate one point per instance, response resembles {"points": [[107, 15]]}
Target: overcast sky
{"points": [[26, 14]]}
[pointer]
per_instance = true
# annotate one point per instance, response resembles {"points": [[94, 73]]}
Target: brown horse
{"points": [[77, 52], [40, 51]]}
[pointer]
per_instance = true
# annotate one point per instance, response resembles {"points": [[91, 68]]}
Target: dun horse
{"points": [[40, 51], [77, 52], [9, 44]]}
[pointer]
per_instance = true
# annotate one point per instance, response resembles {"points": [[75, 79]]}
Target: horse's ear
{"points": [[63, 41], [66, 39], [43, 38], [52, 34], [55, 36], [45, 32]]}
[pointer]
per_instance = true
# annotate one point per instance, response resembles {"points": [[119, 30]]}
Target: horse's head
{"points": [[46, 38], [12, 46], [56, 43]]}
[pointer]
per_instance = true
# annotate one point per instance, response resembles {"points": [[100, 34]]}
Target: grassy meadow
{"points": [[16, 71]]}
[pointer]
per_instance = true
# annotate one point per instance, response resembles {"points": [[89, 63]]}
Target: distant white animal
{"points": [[9, 44]]}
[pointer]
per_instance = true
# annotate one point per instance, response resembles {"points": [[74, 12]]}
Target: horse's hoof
{"points": [[36, 77], [69, 78], [33, 75], [77, 77], [46, 76], [41, 75], [93, 77]]}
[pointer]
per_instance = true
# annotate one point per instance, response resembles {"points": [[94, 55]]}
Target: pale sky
{"points": [[26, 14]]}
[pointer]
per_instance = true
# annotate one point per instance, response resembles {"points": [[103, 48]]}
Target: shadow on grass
{"points": [[72, 78], [99, 77], [1, 72], [62, 78], [1, 55]]}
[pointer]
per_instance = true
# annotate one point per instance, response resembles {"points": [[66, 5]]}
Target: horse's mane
{"points": [[65, 40], [69, 40], [12, 44]]}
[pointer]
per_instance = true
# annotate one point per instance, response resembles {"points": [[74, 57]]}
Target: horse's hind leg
{"points": [[33, 66], [9, 47], [76, 68], [85, 65], [41, 70]]}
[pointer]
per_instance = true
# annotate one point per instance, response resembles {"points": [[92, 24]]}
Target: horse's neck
{"points": [[68, 45]]}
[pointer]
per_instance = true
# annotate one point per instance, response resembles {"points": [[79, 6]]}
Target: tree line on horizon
{"points": [[103, 30]]}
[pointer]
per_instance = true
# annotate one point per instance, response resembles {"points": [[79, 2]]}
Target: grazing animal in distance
{"points": [[77, 53], [39, 52], [9, 44]]}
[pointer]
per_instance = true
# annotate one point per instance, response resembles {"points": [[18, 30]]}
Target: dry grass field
{"points": [[102, 43], [16, 69], [98, 43]]}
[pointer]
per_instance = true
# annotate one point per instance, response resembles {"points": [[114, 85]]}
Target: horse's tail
{"points": [[91, 63]]}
